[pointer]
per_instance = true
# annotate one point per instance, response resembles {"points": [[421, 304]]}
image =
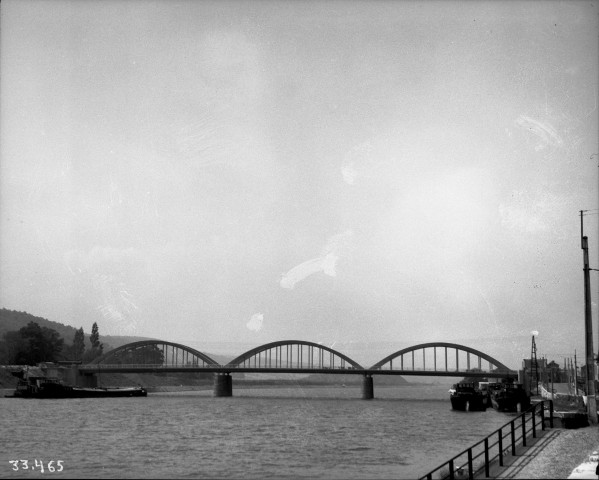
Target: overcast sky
{"points": [[342, 172]]}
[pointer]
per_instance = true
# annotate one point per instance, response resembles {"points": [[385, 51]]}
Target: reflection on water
{"points": [[258, 433]]}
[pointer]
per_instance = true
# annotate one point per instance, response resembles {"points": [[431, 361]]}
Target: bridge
{"points": [[296, 356]]}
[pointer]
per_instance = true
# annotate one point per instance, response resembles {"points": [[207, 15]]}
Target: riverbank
{"points": [[555, 454]]}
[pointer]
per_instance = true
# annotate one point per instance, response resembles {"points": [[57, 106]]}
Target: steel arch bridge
{"points": [[155, 353], [433, 359], [441, 358], [294, 354]]}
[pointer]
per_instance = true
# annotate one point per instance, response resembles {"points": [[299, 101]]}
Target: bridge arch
{"points": [[294, 354], [155, 352], [429, 351]]}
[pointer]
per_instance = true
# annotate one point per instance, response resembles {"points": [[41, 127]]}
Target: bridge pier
{"points": [[87, 381], [367, 387], [72, 376], [223, 385]]}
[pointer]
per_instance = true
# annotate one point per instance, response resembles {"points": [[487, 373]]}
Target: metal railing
{"points": [[100, 366], [496, 446]]}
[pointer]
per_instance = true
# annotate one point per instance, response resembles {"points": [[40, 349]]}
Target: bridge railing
{"points": [[100, 366], [487, 373], [480, 457], [291, 366]]}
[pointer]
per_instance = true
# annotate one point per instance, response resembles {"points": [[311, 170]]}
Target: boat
{"points": [[484, 388], [508, 397], [54, 389], [34, 383], [467, 397]]}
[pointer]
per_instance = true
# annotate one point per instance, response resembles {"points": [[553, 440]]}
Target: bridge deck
{"points": [[239, 369]]}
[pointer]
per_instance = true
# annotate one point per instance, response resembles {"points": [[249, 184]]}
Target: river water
{"points": [[258, 433]]}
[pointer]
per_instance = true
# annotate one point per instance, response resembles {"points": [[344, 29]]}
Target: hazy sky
{"points": [[342, 172]]}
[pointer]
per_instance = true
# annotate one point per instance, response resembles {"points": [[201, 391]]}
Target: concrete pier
{"points": [[367, 387], [72, 376], [88, 381], [223, 385]]}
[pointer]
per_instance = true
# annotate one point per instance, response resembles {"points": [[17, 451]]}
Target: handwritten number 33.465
{"points": [[37, 465]]}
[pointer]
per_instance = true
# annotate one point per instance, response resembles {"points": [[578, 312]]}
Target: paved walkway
{"points": [[560, 388], [555, 453]]}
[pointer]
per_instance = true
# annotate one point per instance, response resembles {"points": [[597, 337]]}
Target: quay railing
{"points": [[478, 459]]}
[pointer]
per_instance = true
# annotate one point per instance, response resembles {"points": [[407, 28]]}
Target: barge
{"points": [[34, 383], [467, 397]]}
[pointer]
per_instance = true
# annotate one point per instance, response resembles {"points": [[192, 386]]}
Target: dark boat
{"points": [[54, 389], [508, 397], [33, 383], [467, 397]]}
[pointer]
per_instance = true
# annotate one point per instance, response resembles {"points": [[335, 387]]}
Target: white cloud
{"points": [[349, 174], [543, 130], [110, 274], [305, 269], [356, 160], [255, 322], [326, 263]]}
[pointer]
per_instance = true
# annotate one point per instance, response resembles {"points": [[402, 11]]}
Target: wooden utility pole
{"points": [[575, 375], [534, 366], [588, 324]]}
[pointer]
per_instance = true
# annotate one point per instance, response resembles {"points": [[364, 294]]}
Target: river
{"points": [[316, 432]]}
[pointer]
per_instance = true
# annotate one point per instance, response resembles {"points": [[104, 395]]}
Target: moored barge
{"points": [[467, 397], [508, 397], [34, 383]]}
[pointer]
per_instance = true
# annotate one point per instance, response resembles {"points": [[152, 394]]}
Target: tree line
{"points": [[33, 344]]}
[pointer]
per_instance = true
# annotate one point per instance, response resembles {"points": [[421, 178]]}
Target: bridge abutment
{"points": [[223, 385], [367, 387]]}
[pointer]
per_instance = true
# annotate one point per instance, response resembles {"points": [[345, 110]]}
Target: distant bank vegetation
{"points": [[28, 340]]}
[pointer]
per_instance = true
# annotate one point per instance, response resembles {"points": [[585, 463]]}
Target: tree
{"points": [[31, 345], [147, 354], [96, 347], [11, 345], [78, 346], [94, 338]]}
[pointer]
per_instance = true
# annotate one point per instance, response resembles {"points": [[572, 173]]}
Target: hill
{"points": [[11, 320]]}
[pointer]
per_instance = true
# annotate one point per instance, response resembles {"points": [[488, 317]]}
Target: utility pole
{"points": [[534, 366], [588, 324], [570, 376], [575, 375]]}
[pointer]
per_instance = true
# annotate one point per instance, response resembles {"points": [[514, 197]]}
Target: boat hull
{"points": [[509, 399], [64, 391], [468, 404], [465, 397]]}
